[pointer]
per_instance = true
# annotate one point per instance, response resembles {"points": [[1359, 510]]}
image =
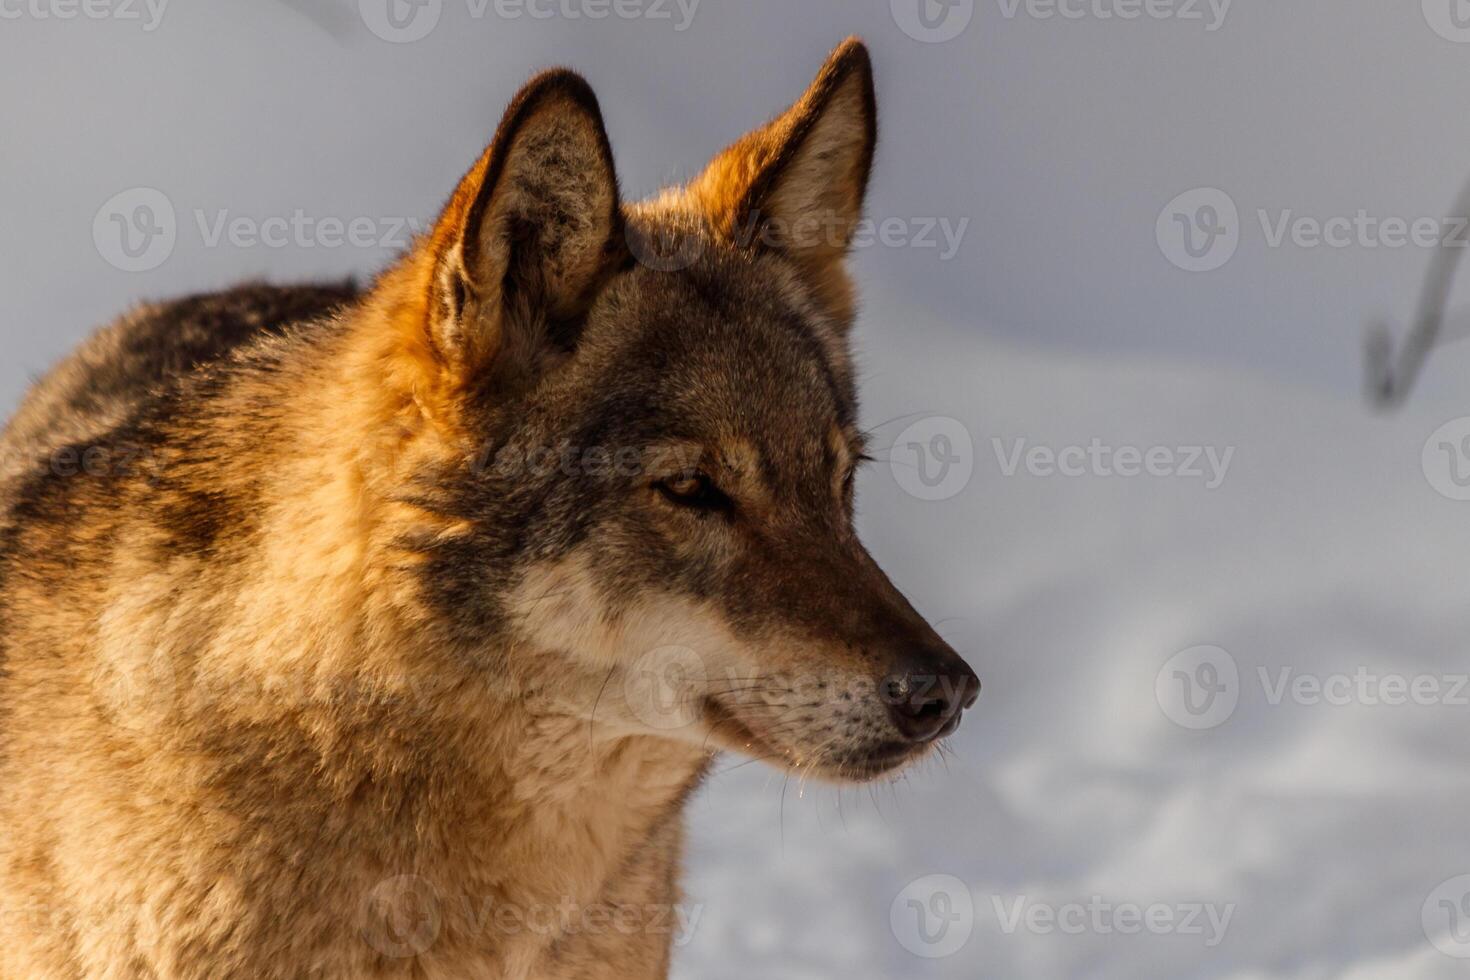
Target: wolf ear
{"points": [[797, 184], [528, 236]]}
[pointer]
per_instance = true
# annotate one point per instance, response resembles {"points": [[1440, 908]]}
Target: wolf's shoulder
{"points": [[120, 367]]}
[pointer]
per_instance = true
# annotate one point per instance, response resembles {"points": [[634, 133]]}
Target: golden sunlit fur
{"points": [[305, 674]]}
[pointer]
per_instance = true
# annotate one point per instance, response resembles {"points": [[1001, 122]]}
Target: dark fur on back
{"points": [[114, 372]]}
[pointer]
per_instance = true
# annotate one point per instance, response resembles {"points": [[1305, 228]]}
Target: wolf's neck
{"points": [[502, 801], [481, 769], [567, 788]]}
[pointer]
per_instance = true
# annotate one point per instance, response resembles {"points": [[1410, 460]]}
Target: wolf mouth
{"points": [[885, 758], [726, 724], [858, 764]]}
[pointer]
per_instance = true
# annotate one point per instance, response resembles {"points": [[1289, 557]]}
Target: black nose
{"points": [[928, 693]]}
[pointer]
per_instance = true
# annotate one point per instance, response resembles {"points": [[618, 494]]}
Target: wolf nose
{"points": [[928, 693]]}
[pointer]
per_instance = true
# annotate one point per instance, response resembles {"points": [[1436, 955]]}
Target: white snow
{"points": [[1322, 826]]}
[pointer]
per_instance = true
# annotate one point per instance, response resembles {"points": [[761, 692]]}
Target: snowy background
{"points": [[1224, 728]]}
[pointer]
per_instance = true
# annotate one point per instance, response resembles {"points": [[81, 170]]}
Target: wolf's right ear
{"points": [[529, 235]]}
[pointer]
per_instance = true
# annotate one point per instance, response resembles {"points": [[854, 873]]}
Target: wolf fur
{"points": [[325, 614]]}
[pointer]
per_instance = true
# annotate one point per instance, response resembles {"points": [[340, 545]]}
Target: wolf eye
{"points": [[695, 491], [849, 482]]}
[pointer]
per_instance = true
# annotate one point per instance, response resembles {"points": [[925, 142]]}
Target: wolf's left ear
{"points": [[797, 184], [531, 232]]}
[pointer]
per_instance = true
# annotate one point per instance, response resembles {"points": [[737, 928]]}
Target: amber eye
{"points": [[695, 491]]}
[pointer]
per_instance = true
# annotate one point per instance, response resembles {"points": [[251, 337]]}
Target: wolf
{"points": [[385, 632]]}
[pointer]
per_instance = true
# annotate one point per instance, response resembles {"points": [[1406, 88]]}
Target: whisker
{"points": [[592, 721]]}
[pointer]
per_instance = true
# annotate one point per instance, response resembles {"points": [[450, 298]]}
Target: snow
{"points": [[1321, 826]]}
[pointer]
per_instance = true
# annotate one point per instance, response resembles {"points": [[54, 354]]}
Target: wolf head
{"points": [[655, 434]]}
